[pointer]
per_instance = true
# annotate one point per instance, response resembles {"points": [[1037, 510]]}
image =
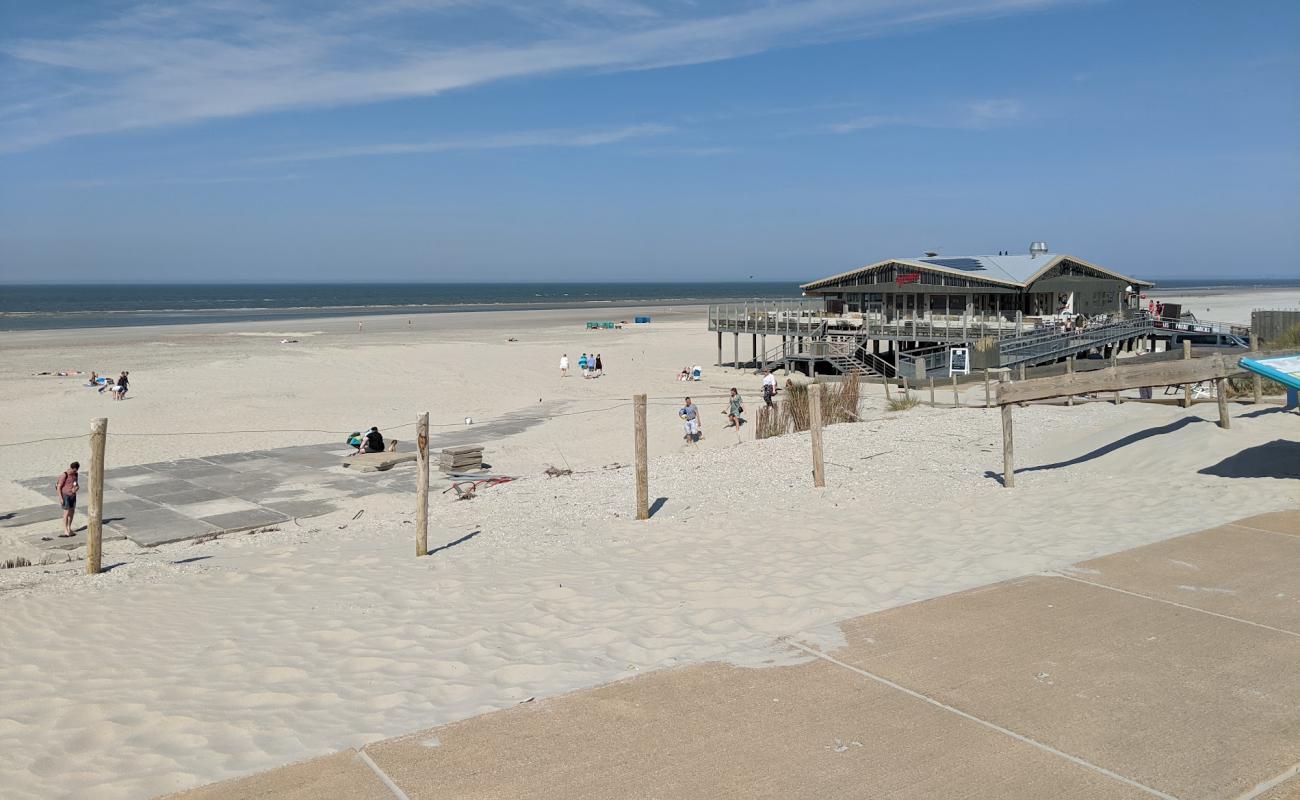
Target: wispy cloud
{"points": [[501, 141], [973, 115], [185, 62], [98, 183]]}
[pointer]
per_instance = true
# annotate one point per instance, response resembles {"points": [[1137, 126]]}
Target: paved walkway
{"points": [[171, 501], [1168, 671]]}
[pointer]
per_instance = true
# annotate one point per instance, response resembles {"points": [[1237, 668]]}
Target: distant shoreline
{"points": [[40, 307]]}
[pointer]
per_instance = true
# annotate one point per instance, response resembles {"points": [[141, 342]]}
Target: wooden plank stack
{"points": [[464, 458]]}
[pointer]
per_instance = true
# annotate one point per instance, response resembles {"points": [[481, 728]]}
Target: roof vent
{"points": [[1037, 249]]}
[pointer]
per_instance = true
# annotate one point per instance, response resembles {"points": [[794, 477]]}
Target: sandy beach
{"points": [[190, 663]]}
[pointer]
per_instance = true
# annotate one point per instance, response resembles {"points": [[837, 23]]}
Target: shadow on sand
{"points": [[1276, 459], [1105, 449]]}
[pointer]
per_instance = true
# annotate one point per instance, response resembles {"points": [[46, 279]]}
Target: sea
{"points": [[55, 306]]}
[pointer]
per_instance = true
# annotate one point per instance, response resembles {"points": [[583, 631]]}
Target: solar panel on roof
{"points": [[963, 264]]}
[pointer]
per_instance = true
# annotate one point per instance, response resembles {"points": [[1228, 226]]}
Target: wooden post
{"points": [[642, 463], [815, 433], [988, 397], [1069, 370], [1187, 387], [735, 351], [888, 394], [95, 520], [932, 392], [1008, 455], [1022, 370], [422, 486], [907, 392], [1257, 383], [956, 398], [1221, 389]]}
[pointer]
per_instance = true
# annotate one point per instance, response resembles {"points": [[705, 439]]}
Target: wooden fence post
{"points": [[907, 393], [642, 462], [95, 520], [888, 394], [956, 398], [1221, 389], [1008, 454], [988, 397], [815, 433], [932, 392], [1187, 387], [1069, 370], [1257, 383], [422, 487], [1022, 370]]}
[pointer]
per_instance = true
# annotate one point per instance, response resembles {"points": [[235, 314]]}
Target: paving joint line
{"points": [[1175, 604], [1260, 530], [1020, 737], [383, 776], [1271, 783]]}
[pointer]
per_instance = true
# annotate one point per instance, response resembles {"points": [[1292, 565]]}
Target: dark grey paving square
{"points": [[159, 526], [234, 483], [230, 459], [302, 508], [240, 520], [195, 494], [126, 472], [166, 487]]}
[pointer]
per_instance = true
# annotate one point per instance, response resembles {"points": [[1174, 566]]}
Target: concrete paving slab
{"points": [[1287, 791], [160, 526], [341, 776], [49, 538], [302, 508], [166, 486], [126, 472], [242, 520], [1186, 702], [717, 731], [211, 508], [1229, 570], [197, 494], [134, 480], [231, 459], [1279, 522], [30, 515]]}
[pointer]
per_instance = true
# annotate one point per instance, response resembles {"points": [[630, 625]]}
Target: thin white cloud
{"points": [[98, 183], [185, 62], [973, 115], [500, 141]]}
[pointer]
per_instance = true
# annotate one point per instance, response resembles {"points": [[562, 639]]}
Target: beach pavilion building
{"points": [[905, 316]]}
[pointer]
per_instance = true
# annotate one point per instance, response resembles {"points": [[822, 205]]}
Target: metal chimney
{"points": [[1037, 249]]}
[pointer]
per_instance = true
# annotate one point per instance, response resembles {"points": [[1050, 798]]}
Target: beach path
{"points": [[1163, 671]]}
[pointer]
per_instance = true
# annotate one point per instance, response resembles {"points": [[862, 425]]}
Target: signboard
{"points": [[958, 361], [1285, 370], [907, 277]]}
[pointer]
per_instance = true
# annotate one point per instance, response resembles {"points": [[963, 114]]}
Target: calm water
{"points": [[32, 307]]}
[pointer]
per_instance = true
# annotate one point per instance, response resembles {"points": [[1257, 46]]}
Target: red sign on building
{"points": [[907, 277]]}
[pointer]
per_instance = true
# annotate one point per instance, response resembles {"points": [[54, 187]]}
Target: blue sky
{"points": [[638, 140]]}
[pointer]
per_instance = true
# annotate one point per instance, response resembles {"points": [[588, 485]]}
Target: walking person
{"points": [[769, 387], [582, 364], [67, 487], [690, 415], [122, 383], [600, 366], [564, 365], [735, 408]]}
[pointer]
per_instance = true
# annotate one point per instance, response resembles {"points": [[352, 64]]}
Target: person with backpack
{"points": [[735, 408], [67, 487]]}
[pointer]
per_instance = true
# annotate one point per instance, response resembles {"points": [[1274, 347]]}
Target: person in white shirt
{"points": [[769, 387], [564, 365]]}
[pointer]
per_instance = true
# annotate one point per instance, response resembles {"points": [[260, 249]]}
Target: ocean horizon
{"points": [[61, 306]]}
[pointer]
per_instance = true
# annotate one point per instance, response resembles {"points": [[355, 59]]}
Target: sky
{"points": [[611, 140]]}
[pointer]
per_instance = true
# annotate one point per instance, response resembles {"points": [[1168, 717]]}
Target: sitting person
{"points": [[373, 442], [94, 379], [685, 374]]}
